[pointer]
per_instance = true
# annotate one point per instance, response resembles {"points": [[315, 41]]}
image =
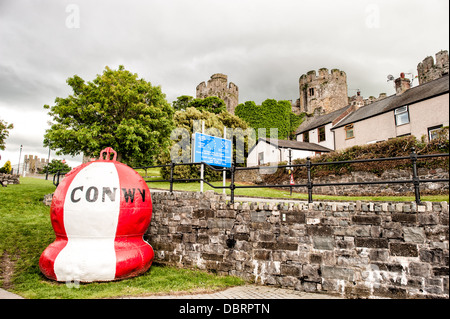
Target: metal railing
{"points": [[309, 185]]}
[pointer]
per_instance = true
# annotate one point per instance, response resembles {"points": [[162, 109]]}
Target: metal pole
{"points": [[233, 169], [48, 162], [308, 170], [416, 181], [172, 164], [202, 167], [224, 170], [290, 169], [20, 155]]}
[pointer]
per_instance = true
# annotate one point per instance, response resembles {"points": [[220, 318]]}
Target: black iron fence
{"points": [[309, 185]]}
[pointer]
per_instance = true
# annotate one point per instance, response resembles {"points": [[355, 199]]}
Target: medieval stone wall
{"points": [[327, 90], [428, 70], [218, 86], [355, 249]]}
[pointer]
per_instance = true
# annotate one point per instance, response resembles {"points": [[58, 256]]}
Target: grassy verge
{"points": [[25, 231]]}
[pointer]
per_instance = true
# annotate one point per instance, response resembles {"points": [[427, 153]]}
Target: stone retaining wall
{"points": [[356, 249], [6, 179]]}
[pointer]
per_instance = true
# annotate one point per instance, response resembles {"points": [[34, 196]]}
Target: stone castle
{"points": [[218, 86], [327, 90], [427, 70], [33, 164]]}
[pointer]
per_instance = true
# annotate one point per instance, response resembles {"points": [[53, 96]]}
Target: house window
{"points": [[311, 91], [349, 131], [433, 132], [401, 115], [306, 137], [321, 131]]}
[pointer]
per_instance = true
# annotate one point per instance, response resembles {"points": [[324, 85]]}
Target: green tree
{"points": [[4, 132], [115, 110], [211, 104], [270, 114], [185, 122], [182, 102], [56, 165]]}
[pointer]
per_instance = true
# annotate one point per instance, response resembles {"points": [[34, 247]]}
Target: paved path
{"points": [[247, 292], [8, 295], [238, 292]]}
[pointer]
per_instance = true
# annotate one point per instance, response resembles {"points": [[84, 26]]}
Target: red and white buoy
{"points": [[99, 212]]}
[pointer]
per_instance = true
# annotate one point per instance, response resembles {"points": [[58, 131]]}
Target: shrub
{"points": [[397, 147], [6, 169]]}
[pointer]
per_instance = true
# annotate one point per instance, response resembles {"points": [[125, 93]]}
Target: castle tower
{"points": [[217, 86], [327, 90], [427, 70]]}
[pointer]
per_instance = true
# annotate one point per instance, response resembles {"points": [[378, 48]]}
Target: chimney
{"points": [[402, 84]]}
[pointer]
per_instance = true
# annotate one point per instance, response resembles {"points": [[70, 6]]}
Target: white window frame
{"points": [[399, 113], [433, 129]]}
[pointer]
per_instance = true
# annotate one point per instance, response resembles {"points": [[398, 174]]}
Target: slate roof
{"points": [[413, 95], [296, 145], [320, 120]]}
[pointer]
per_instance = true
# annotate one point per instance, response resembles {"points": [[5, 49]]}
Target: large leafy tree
{"points": [[115, 110], [4, 132], [186, 122]]}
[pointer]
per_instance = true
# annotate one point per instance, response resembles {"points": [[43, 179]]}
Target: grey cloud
{"points": [[263, 46]]}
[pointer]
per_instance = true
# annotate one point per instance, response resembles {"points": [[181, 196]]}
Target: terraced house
{"points": [[420, 111]]}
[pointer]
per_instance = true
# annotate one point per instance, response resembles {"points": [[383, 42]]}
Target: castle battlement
{"points": [[323, 74], [218, 86], [428, 70], [326, 90]]}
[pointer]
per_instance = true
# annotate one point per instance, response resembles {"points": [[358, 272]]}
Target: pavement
{"points": [[238, 292], [247, 292]]}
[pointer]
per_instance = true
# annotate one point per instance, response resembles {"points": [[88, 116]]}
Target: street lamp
{"points": [[48, 162], [20, 155]]}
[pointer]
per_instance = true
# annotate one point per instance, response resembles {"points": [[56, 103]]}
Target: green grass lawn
{"points": [[25, 231]]}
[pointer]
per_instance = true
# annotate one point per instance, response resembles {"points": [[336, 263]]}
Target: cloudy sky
{"points": [[264, 46]]}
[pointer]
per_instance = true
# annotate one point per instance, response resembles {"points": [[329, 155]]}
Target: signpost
{"points": [[212, 150]]}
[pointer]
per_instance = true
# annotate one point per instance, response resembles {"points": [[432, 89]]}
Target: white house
{"points": [[269, 150]]}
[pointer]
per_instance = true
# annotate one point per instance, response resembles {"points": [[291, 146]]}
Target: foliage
{"points": [[57, 165], [6, 169], [187, 122], [182, 102], [396, 147], [211, 104], [270, 114], [4, 132], [115, 110]]}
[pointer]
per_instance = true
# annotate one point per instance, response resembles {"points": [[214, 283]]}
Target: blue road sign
{"points": [[212, 150]]}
